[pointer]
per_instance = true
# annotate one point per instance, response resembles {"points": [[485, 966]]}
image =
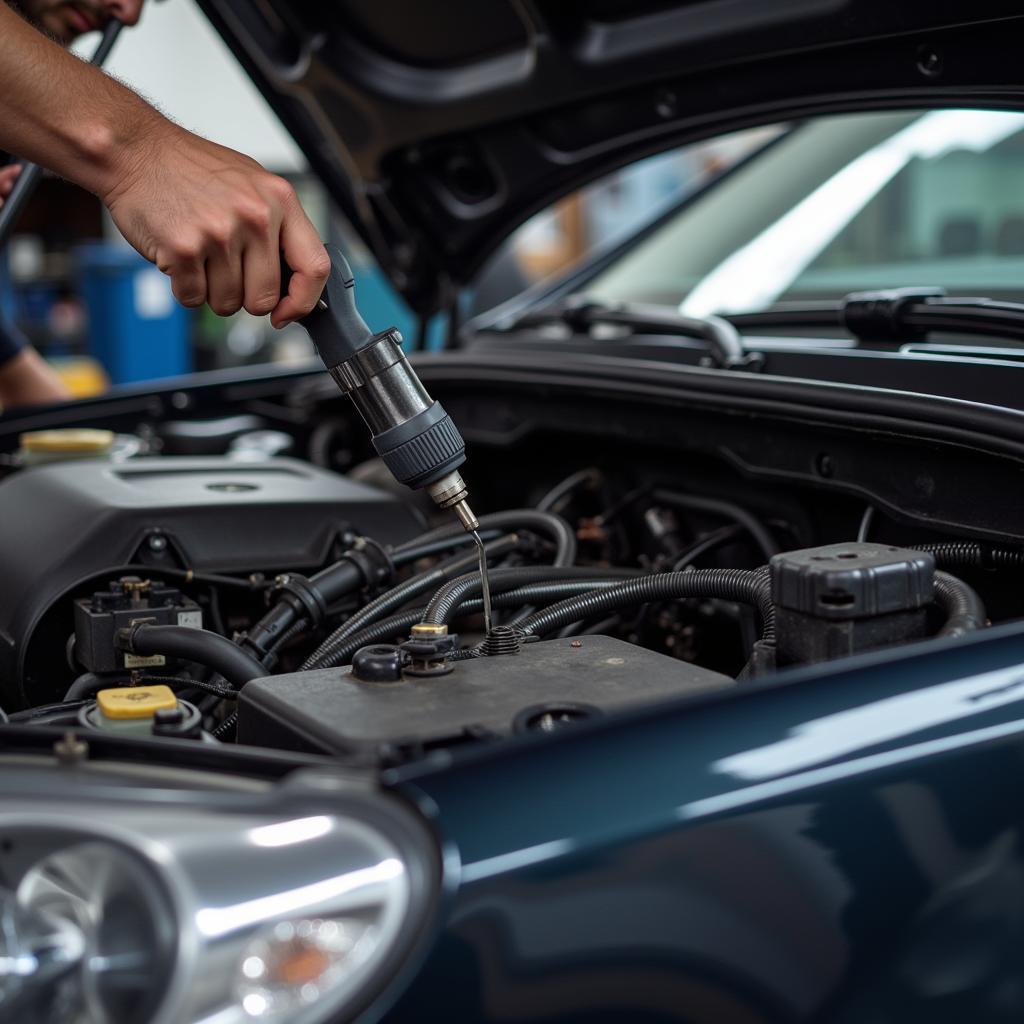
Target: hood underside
{"points": [[440, 127]]}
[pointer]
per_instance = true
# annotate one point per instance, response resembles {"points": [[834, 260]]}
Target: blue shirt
{"points": [[12, 341]]}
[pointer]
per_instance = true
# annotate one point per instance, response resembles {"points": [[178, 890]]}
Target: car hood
{"points": [[440, 127]]}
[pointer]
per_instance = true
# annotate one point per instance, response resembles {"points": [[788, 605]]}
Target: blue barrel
{"points": [[136, 329]]}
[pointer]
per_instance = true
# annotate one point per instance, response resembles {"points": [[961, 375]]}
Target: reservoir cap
{"points": [[135, 701], [852, 581]]}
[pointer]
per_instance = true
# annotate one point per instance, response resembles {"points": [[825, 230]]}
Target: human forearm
{"points": [[66, 115], [25, 379], [212, 219]]}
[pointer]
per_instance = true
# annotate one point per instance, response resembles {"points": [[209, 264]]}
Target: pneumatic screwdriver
{"points": [[412, 433]]}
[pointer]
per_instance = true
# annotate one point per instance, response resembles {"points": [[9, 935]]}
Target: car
{"points": [[740, 738]]}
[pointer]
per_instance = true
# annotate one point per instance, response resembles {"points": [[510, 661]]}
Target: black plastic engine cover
{"points": [[544, 686], [65, 523]]}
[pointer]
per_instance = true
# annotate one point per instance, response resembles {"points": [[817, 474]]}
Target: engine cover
{"points": [[67, 523], [545, 686]]}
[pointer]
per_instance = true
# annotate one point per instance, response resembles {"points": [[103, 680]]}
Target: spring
{"points": [[502, 640]]}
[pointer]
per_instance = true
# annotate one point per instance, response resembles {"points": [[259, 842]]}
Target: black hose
{"points": [[422, 583], [414, 550], [964, 610], [270, 659], [87, 684], [443, 604], [547, 523], [747, 586], [353, 571], [283, 641], [49, 714], [728, 510], [581, 628], [589, 478], [707, 543], [198, 645], [350, 572], [365, 563], [402, 622], [969, 555]]}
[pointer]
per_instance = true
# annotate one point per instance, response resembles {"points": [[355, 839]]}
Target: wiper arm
{"points": [[725, 346], [895, 316]]}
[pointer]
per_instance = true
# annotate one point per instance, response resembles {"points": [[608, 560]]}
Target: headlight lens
{"points": [[187, 907], [104, 903]]}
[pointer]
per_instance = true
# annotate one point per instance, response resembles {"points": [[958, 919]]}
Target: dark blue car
{"points": [[736, 734]]}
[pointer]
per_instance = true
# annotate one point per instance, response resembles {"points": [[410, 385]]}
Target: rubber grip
{"points": [[426, 457]]}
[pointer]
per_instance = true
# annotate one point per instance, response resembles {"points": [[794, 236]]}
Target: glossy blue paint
{"points": [[840, 844]]}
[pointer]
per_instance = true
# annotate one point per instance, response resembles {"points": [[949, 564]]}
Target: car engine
{"points": [[277, 603]]}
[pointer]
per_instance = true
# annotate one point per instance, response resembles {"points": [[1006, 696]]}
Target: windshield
{"points": [[844, 204]]}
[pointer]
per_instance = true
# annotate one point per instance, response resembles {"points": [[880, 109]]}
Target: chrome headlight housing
{"points": [[128, 903]]}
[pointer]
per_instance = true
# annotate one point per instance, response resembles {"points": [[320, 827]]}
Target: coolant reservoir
{"points": [[73, 443], [142, 711]]}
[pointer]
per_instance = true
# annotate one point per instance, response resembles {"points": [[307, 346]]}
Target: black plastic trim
{"points": [[942, 463]]}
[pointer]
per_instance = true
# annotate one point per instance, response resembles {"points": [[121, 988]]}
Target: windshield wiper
{"points": [[581, 315], [894, 316]]}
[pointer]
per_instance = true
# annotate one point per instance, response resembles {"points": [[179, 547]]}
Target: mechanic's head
{"points": [[67, 19]]}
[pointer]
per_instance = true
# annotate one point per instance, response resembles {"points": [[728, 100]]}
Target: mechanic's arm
{"points": [[25, 377], [209, 217]]}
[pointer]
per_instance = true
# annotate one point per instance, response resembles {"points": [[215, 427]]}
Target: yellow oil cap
{"points": [[78, 441], [135, 701]]}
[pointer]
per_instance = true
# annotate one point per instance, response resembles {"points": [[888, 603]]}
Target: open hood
{"points": [[439, 127]]}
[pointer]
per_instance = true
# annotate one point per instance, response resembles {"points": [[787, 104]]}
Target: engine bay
{"points": [[212, 580]]}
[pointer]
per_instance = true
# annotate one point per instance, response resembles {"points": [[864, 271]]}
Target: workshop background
{"points": [[103, 316]]}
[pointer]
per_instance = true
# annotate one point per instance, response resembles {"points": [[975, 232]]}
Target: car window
{"points": [[609, 210], [842, 204]]}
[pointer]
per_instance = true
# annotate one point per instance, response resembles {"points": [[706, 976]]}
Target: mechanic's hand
{"points": [[217, 223], [8, 176]]}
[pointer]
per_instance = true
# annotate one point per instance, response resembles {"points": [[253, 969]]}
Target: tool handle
{"points": [[31, 173], [110, 33], [335, 325]]}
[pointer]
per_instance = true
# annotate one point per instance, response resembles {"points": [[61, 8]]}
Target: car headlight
{"points": [[129, 905]]}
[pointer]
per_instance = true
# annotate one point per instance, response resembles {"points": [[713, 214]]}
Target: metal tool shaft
{"points": [[485, 582]]}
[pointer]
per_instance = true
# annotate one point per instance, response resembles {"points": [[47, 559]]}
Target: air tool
{"points": [[412, 433]]}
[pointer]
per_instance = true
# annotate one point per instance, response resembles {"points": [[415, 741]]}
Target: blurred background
{"points": [[102, 316]]}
